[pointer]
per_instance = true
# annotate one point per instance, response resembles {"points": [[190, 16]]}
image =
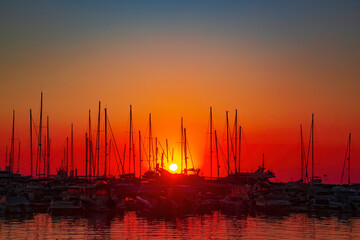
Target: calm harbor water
{"points": [[211, 226]]}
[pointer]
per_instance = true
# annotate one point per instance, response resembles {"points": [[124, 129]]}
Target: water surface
{"points": [[211, 226]]}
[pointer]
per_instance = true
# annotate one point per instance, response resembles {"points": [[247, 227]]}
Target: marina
{"points": [[179, 119], [161, 191]]}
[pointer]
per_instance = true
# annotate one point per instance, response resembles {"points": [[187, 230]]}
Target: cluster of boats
{"points": [[161, 193]]}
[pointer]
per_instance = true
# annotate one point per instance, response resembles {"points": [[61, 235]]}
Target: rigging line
{"points": [[308, 155], [144, 148], [188, 147], [162, 148], [231, 144], [223, 157], [346, 154], [117, 150]]}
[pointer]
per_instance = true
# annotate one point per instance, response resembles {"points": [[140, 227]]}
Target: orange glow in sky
{"points": [[274, 65]]}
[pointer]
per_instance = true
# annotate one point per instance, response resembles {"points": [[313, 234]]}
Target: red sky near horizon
{"points": [[275, 63]]}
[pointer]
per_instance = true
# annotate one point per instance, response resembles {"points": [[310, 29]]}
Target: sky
{"points": [[276, 62]]}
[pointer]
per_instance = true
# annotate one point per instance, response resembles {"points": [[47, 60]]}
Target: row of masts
{"points": [[92, 163], [92, 154], [305, 157], [233, 148]]}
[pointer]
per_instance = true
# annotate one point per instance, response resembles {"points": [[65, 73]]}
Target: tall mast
{"points": [[349, 158], [263, 162], [227, 141], [235, 128], [130, 140], [211, 151], [72, 147], [239, 147], [181, 141], [139, 155], [185, 151], [48, 146], [312, 146], [90, 147], [40, 132], [98, 143], [217, 156], [105, 167], [67, 155], [12, 147], [302, 154], [31, 147], [150, 145], [86, 155]]}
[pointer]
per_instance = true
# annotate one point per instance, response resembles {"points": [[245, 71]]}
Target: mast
{"points": [[349, 158], [235, 140], [227, 141], [40, 128], [31, 147], [312, 146], [211, 151], [181, 141], [217, 155], [263, 161], [301, 154], [105, 167], [86, 155], [239, 147], [150, 146], [72, 147], [67, 156], [90, 148], [12, 147], [139, 155], [130, 140], [98, 142], [48, 146], [185, 149]]}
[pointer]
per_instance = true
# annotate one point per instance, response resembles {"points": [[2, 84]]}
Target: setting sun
{"points": [[173, 167]]}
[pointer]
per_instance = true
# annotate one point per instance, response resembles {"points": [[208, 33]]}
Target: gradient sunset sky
{"points": [[276, 62]]}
